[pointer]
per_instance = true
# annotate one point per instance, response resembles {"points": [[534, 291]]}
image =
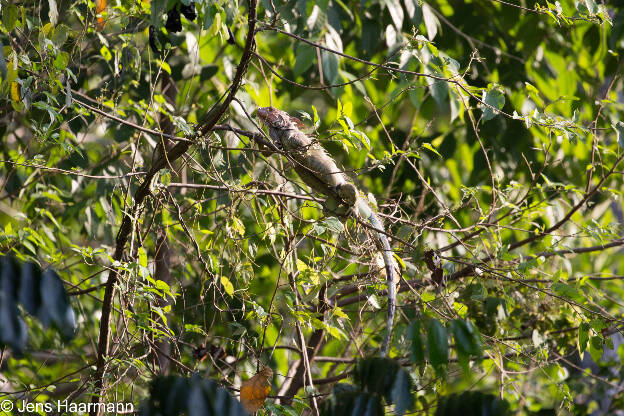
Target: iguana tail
{"points": [[386, 251]]}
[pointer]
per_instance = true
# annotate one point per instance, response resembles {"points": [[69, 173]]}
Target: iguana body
{"points": [[320, 172]]}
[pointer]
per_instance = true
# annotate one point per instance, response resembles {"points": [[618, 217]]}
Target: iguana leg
{"points": [[346, 206], [348, 192], [333, 207]]}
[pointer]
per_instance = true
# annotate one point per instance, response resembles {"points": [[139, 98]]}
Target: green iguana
{"points": [[319, 171]]}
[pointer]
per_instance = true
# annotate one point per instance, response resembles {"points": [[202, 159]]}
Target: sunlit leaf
{"points": [[253, 392], [495, 99]]}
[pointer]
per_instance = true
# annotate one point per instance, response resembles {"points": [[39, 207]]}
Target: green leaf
{"points": [[61, 33], [583, 336], [142, 257], [414, 11], [157, 9], [402, 392], [587, 7], [316, 119], [384, 376], [163, 287], [305, 56], [467, 342], [428, 146], [437, 345], [472, 403], [106, 53], [348, 400], [333, 224], [10, 14], [207, 72], [415, 335], [467, 338], [227, 285], [439, 92], [568, 292], [61, 60], [330, 67], [595, 348], [494, 98], [187, 129], [165, 66], [277, 409]]}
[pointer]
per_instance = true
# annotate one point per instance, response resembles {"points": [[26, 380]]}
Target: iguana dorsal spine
{"points": [[319, 171]]}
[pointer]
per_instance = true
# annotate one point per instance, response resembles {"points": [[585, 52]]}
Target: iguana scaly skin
{"points": [[319, 171]]}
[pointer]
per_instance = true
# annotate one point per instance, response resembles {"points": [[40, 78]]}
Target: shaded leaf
{"points": [[385, 377], [472, 403], [467, 342], [415, 335], [567, 291], [376, 375], [596, 348], [29, 294], [304, 58], [8, 276], [9, 16], [12, 327], [402, 392], [347, 399], [173, 395], [330, 67], [55, 308], [437, 345], [367, 405], [196, 401], [414, 12], [207, 72], [157, 10], [467, 338]]}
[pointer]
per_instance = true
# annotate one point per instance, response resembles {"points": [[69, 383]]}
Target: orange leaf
{"points": [[100, 5], [254, 391]]}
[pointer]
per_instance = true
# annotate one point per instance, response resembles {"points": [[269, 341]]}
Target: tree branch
{"points": [[142, 192]]}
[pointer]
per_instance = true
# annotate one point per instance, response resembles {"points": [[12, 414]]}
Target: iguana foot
{"points": [[335, 208], [348, 192]]}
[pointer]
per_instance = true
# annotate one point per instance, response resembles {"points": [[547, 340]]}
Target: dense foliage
{"points": [[486, 133]]}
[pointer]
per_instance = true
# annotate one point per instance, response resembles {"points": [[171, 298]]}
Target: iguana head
{"points": [[278, 119]]}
